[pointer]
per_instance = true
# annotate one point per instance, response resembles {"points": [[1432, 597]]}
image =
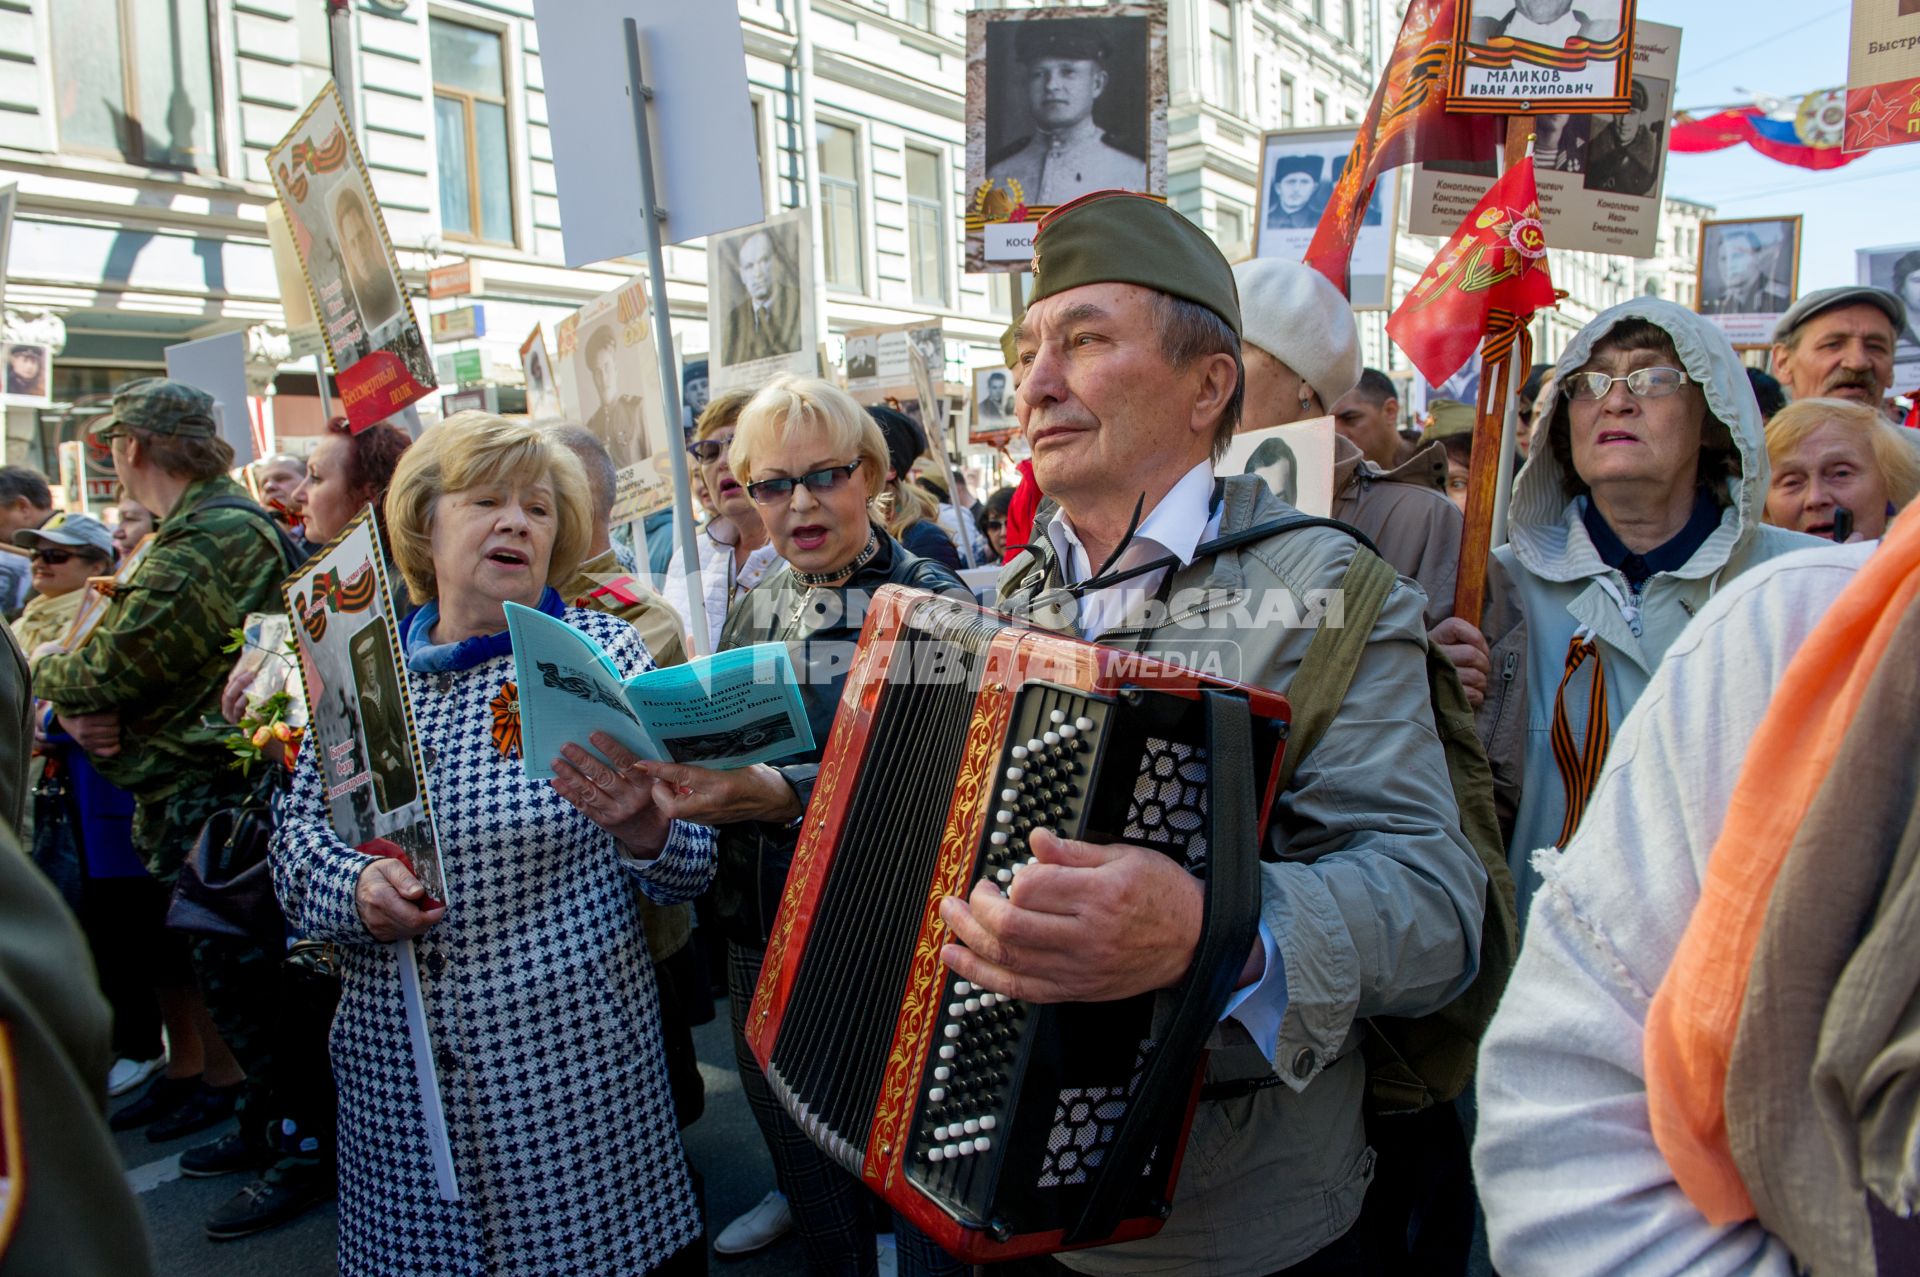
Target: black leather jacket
{"points": [[821, 629]]}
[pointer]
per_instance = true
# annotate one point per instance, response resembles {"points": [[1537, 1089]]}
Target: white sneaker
{"points": [[128, 1074], [758, 1229]]}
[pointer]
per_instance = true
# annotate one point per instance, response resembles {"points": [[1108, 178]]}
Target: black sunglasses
{"points": [[774, 491], [53, 558], [708, 451]]}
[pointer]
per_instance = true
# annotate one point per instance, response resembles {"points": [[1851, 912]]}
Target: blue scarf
{"points": [[424, 656]]}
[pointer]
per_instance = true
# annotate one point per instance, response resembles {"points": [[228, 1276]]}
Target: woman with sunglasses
{"points": [[735, 554], [66, 550], [1643, 494], [815, 465]]}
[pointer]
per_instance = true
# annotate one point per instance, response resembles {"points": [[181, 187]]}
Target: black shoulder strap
{"points": [[1274, 527], [291, 552]]}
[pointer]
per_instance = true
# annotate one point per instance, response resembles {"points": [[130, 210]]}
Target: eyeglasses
{"points": [[1642, 383], [995, 524], [779, 491], [112, 432], [53, 558], [708, 451]]}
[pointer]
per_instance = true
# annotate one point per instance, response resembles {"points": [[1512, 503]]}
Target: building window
{"points": [[470, 115], [837, 147], [133, 79], [1350, 23], [926, 227], [1319, 107], [1320, 12], [919, 13], [1286, 101], [1226, 78], [1233, 229]]}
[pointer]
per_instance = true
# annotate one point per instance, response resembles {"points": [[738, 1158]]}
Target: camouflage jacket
{"points": [[157, 658]]}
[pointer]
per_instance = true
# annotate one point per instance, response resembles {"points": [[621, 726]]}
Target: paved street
{"points": [[724, 1143]]}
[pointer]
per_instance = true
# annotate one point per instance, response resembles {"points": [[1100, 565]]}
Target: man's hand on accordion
{"points": [[1087, 924]]}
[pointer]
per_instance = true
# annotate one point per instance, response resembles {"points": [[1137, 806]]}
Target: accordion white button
{"points": [[1009, 795], [948, 1052], [1003, 816], [1035, 745], [1020, 752], [953, 1030], [1058, 716], [1069, 731], [1015, 773], [1003, 876], [1084, 724], [942, 1073], [971, 1126], [988, 1122], [1052, 738], [953, 1150], [954, 1009], [998, 838], [937, 1094], [936, 1154], [962, 988], [973, 1004], [940, 1132], [982, 1144]]}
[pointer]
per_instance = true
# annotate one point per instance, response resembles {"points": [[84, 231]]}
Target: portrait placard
{"points": [[1522, 56], [1896, 268], [28, 374], [1883, 75], [360, 715], [1296, 460], [613, 384], [1600, 178], [296, 304], [1298, 168], [995, 416], [760, 302], [879, 359], [543, 394], [1749, 275], [372, 335], [1060, 101]]}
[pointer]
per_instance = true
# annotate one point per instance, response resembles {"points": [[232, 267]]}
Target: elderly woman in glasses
{"points": [[814, 465], [735, 554], [540, 1001], [1641, 496]]}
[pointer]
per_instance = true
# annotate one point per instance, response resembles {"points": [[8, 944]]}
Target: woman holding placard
{"points": [[540, 1002]]}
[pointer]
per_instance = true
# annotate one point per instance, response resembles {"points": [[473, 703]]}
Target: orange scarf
{"points": [[1691, 1024]]}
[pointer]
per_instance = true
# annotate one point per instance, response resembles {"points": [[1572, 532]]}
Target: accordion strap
{"points": [[1227, 931]]}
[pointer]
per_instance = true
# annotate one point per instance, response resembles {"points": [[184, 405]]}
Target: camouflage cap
{"points": [[162, 407]]}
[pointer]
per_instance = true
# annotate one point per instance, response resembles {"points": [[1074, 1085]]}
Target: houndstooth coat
{"points": [[542, 1007]]}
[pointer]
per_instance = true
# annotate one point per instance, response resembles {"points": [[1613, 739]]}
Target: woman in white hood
{"points": [[1642, 495]]}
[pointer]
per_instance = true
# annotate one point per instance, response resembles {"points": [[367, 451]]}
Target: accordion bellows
{"points": [[998, 1127]]}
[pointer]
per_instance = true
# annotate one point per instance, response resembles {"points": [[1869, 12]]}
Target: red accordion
{"points": [[1001, 1128]]}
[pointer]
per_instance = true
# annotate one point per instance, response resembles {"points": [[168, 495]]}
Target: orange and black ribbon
{"points": [[1580, 767], [506, 720]]}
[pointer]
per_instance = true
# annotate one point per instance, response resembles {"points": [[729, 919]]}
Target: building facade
{"points": [[137, 133]]}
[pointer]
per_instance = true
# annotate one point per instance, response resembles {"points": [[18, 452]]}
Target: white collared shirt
{"points": [[1184, 518], [1177, 525]]}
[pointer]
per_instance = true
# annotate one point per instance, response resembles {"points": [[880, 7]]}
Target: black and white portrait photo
{"points": [[1749, 275], [863, 359], [27, 369], [1625, 152], [543, 394], [760, 302], [1067, 106], [610, 391], [993, 399], [1298, 171], [610, 380], [1540, 54], [1896, 268]]}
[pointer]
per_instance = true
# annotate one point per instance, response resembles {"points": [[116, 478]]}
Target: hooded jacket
{"points": [[1564, 588]]}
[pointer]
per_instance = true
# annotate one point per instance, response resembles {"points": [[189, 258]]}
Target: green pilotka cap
{"points": [[1119, 237], [161, 407]]}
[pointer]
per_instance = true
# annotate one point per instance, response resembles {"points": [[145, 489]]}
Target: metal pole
{"points": [[651, 215], [810, 158], [340, 54]]}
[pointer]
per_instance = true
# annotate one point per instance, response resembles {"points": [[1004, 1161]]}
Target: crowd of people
{"points": [[1699, 1061]]}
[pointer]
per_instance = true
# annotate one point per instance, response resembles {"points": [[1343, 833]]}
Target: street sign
{"points": [[457, 280], [460, 323], [461, 367]]}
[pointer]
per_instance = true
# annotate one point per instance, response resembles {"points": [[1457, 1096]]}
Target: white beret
{"points": [[1295, 314]]}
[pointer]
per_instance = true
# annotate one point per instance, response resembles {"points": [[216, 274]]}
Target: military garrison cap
{"points": [[1118, 237], [1077, 39], [162, 407]]}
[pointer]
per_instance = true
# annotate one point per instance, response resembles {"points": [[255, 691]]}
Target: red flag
{"points": [[1486, 282], [1407, 123]]}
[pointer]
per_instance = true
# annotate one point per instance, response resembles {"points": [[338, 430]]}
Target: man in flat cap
{"points": [[1290, 202], [142, 697], [1064, 61], [1371, 898], [1839, 342]]}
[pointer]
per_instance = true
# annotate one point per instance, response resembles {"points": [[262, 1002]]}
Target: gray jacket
{"points": [[1564, 588], [1372, 894]]}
